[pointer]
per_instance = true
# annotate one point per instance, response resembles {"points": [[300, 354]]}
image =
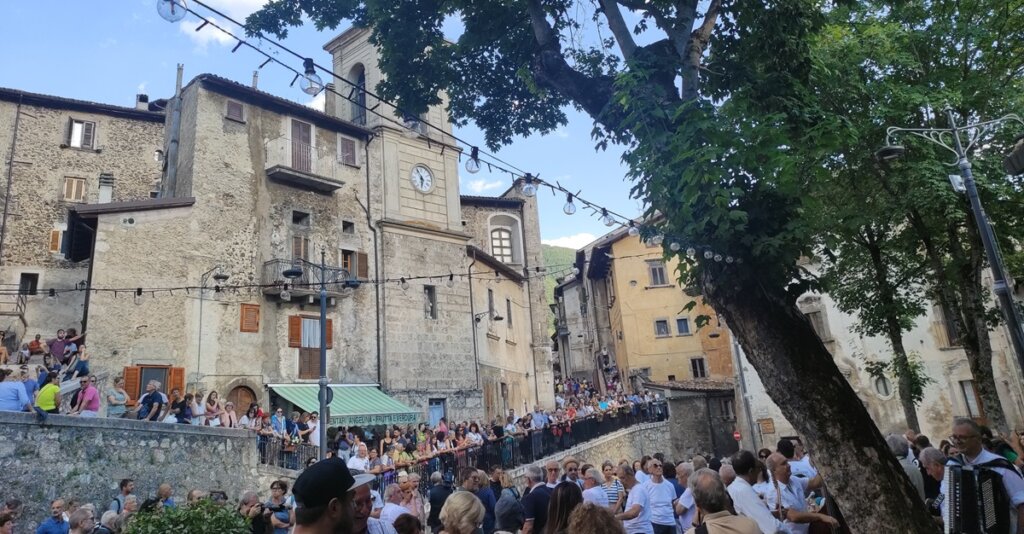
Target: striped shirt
{"points": [[613, 491]]}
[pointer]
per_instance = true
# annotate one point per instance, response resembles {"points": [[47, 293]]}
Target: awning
{"points": [[352, 405]]}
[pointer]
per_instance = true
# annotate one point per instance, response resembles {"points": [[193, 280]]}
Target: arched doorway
{"points": [[242, 396]]}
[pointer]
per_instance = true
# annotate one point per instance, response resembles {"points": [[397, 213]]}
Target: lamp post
{"points": [[220, 277], [950, 139], [291, 273]]}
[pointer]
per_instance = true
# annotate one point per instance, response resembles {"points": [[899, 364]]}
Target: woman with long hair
{"points": [[462, 513], [117, 398], [213, 409], [564, 499], [251, 420]]}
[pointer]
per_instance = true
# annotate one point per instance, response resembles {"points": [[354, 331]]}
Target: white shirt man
{"points": [[593, 487], [636, 514], [660, 495], [685, 503], [314, 425], [967, 437], [361, 460], [745, 500]]}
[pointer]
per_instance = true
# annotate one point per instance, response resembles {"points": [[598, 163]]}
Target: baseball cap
{"points": [[326, 480]]}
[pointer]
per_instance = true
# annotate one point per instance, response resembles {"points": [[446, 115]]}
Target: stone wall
{"points": [[85, 459]]}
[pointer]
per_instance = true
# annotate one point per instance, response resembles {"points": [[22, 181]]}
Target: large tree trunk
{"points": [[803, 380]]}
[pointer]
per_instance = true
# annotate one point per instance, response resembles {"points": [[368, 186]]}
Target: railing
{"points": [[507, 451], [334, 277], [302, 157], [12, 304]]}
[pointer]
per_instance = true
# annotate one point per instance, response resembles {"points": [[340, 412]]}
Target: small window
{"points": [[728, 409], [501, 244], [347, 259], [300, 248], [250, 318], [300, 218], [882, 386], [81, 134], [347, 153], [234, 111], [430, 302], [656, 270], [28, 284], [154, 194], [348, 227], [74, 189], [817, 320], [508, 312], [671, 378], [971, 400], [661, 328], [697, 368], [683, 326], [57, 239]]}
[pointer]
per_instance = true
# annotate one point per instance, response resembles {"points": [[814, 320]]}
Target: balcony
{"points": [[302, 165], [339, 281]]}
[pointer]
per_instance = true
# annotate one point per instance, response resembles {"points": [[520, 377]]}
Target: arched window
{"points": [[501, 244], [358, 76]]}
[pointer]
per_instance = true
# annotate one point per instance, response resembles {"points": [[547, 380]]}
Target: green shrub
{"points": [[203, 517]]}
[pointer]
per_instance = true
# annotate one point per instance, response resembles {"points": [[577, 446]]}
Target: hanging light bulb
{"points": [[691, 253], [633, 230], [569, 208], [608, 220], [451, 281], [529, 190], [674, 247], [311, 84], [171, 10], [412, 127], [708, 254], [285, 295], [728, 259], [473, 163], [657, 240], [576, 271], [718, 257], [404, 284]]}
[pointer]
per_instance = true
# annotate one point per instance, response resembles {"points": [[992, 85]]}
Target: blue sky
{"points": [[109, 50]]}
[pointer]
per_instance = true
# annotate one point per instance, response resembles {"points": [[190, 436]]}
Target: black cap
{"points": [[325, 480]]}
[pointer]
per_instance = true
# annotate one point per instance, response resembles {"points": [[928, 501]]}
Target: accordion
{"points": [[975, 501]]}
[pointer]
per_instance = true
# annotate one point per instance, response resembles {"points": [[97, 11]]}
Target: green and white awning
{"points": [[352, 405]]}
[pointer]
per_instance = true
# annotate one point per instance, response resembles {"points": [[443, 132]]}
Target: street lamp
{"points": [[292, 273], [949, 138], [220, 277]]}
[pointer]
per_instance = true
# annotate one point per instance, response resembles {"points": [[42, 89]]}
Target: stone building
{"points": [[59, 153], [257, 192], [624, 318]]}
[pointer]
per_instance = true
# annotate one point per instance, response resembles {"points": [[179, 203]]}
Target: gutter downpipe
{"points": [[376, 260], [472, 321], [10, 176]]}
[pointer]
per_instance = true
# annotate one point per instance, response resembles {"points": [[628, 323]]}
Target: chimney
{"points": [[142, 102], [329, 101], [255, 78]]}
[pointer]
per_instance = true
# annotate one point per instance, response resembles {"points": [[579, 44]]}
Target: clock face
{"points": [[421, 178]]}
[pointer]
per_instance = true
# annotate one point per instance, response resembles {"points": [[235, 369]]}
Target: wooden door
{"points": [[242, 397], [302, 146]]}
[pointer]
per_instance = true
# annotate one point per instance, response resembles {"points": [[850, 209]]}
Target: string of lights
{"points": [[312, 84]]}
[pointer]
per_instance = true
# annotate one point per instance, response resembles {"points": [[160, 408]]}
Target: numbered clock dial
{"points": [[421, 178]]}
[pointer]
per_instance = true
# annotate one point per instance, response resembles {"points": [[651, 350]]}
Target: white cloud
{"points": [[575, 241], [142, 88], [481, 185], [561, 133], [319, 101], [236, 8], [207, 35]]}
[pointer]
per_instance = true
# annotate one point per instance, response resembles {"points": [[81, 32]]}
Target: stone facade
{"points": [[49, 175], [85, 459]]}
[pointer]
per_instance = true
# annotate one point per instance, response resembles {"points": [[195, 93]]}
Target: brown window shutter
{"points": [[330, 334], [294, 331], [133, 383], [363, 266], [250, 318], [54, 240], [176, 380], [88, 133]]}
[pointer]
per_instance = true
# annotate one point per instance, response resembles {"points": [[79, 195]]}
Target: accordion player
{"points": [[975, 501]]}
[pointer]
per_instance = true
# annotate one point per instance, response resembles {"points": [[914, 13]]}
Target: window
{"points": [[81, 134], [508, 312], [435, 411], [300, 248], [501, 244], [347, 150], [154, 194], [882, 386], [430, 302], [817, 320], [234, 111], [697, 368], [28, 284], [490, 302], [74, 189], [656, 270], [106, 193], [300, 218], [671, 378], [358, 77], [683, 326], [949, 325], [249, 318], [347, 258], [661, 328], [348, 227], [728, 410], [58, 240], [304, 334], [136, 378], [971, 400]]}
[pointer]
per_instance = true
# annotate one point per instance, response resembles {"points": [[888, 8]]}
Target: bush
{"points": [[203, 517]]}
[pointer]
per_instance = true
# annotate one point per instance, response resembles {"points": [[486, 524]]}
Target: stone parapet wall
{"points": [[84, 459]]}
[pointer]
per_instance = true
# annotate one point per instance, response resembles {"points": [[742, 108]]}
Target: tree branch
{"points": [[618, 28], [699, 40]]}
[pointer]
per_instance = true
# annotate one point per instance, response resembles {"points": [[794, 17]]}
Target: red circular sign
{"points": [[736, 435]]}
